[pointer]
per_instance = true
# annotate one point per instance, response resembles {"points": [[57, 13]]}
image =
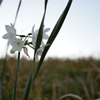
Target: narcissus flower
{"points": [[11, 33], [17, 45], [35, 34], [39, 51]]}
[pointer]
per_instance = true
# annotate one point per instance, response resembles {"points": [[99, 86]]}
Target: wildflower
{"points": [[35, 34], [17, 45], [39, 51], [11, 32]]}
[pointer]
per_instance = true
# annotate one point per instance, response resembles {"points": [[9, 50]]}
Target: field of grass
{"points": [[56, 78]]}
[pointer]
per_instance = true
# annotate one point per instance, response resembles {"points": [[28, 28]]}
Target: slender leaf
{"points": [[28, 85], [46, 1], [40, 33], [39, 38], [17, 12], [53, 35], [16, 77], [38, 42], [1, 2], [59, 23], [27, 88]]}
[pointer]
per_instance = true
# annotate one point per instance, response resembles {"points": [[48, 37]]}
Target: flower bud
{"points": [[12, 51]]}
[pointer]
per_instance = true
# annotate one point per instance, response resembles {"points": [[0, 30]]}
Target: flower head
{"points": [[35, 34], [17, 45], [39, 51], [11, 32]]}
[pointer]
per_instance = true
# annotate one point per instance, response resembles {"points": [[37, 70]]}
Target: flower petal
{"points": [[46, 30], [10, 41], [39, 51], [36, 56], [6, 36], [33, 29], [8, 28], [33, 41], [36, 32], [45, 36]]}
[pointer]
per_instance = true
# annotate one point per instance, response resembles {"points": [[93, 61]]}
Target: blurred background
{"points": [[78, 37]]}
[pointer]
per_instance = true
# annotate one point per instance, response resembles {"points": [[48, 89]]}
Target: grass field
{"points": [[56, 78]]}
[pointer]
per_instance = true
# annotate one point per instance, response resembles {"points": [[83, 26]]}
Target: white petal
{"points": [[46, 30], [43, 46], [9, 41], [36, 56], [12, 25], [33, 29], [6, 36], [45, 36], [40, 53], [8, 28], [40, 49], [42, 43], [36, 32], [13, 30], [33, 41], [13, 49]]}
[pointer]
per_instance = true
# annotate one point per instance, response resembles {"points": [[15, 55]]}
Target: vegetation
{"points": [[57, 77]]}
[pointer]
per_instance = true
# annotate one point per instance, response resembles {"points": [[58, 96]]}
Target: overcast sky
{"points": [[79, 35]]}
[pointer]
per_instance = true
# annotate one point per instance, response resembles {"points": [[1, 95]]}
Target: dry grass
{"points": [[70, 79]]}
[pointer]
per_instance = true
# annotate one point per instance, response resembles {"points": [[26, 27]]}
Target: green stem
{"points": [[16, 77], [31, 46], [28, 85], [24, 36]]}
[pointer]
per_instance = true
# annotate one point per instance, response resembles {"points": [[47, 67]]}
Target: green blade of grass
{"points": [[27, 88], [28, 85], [59, 23], [16, 77], [38, 42], [40, 33], [17, 12], [53, 36]]}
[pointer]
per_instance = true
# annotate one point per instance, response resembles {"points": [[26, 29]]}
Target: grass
{"points": [[56, 78]]}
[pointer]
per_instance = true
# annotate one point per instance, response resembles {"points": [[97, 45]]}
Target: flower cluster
{"points": [[20, 43]]}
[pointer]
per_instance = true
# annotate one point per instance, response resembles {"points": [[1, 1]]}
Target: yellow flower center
{"points": [[18, 43], [11, 33]]}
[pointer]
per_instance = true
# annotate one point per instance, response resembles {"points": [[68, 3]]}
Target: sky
{"points": [[78, 37]]}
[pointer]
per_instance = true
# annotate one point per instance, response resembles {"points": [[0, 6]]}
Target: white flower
{"points": [[35, 34], [17, 45], [11, 32], [39, 51]]}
